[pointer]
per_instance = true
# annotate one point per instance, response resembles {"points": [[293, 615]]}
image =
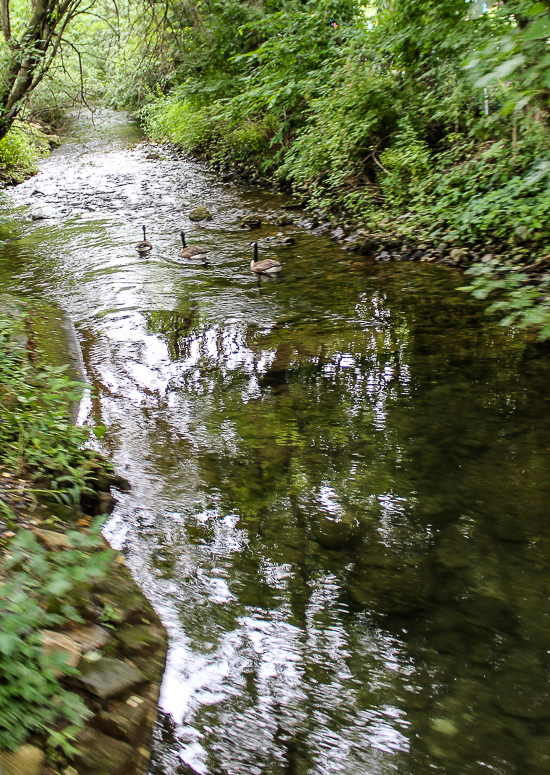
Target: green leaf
{"points": [[537, 8], [99, 431], [538, 29], [501, 72]]}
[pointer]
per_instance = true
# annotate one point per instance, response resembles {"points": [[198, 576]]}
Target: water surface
{"points": [[340, 479]]}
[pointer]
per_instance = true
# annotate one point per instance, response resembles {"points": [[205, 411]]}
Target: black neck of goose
{"points": [[183, 239], [143, 227], [255, 252]]}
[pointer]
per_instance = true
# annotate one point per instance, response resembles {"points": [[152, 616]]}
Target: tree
{"points": [[30, 50]]}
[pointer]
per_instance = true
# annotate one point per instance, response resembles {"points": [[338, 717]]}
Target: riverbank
{"points": [[373, 118], [514, 278], [20, 151], [84, 657]]}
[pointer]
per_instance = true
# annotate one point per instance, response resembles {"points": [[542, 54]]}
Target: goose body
{"points": [[144, 246], [266, 266], [191, 250]]}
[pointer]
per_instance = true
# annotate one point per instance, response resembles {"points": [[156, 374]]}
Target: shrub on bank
{"points": [[430, 116], [210, 131], [40, 587], [20, 150]]}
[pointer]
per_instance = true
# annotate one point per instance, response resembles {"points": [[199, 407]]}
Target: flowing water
{"points": [[340, 503]]}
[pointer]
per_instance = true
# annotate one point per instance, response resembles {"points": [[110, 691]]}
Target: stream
{"points": [[340, 478]]}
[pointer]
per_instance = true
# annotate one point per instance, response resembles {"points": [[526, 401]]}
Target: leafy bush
{"points": [[37, 595], [36, 432], [408, 162], [39, 588], [20, 150], [525, 305], [205, 131]]}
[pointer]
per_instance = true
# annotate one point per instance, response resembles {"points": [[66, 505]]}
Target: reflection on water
{"points": [[340, 480]]}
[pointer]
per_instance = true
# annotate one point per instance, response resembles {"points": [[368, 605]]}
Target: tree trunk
{"points": [[30, 55]]}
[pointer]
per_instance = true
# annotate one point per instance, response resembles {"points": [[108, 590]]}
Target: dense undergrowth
{"points": [[37, 436], [428, 117], [20, 151], [40, 591], [427, 114], [39, 588], [379, 111]]}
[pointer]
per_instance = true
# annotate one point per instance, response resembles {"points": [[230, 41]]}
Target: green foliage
{"points": [[20, 149], [518, 55], [36, 432], [201, 130], [525, 305], [41, 589], [438, 110], [408, 163], [39, 594], [247, 105], [377, 112]]}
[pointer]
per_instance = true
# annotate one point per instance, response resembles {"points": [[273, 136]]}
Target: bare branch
{"points": [[46, 66], [83, 98]]}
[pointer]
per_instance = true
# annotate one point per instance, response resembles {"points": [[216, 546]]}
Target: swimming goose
{"points": [[144, 246], [191, 250], [266, 266]]}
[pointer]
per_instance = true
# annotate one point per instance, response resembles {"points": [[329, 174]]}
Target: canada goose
{"points": [[191, 250], [144, 246], [266, 266]]}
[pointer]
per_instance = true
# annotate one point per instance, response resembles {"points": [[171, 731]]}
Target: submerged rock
{"points": [[284, 220], [307, 223], [386, 584], [250, 222], [280, 241], [522, 687], [200, 214], [336, 534]]}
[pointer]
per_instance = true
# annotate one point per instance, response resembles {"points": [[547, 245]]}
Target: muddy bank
{"points": [[107, 645]]}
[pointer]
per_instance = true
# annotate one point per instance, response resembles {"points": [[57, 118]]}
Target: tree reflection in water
{"points": [[365, 529]]}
